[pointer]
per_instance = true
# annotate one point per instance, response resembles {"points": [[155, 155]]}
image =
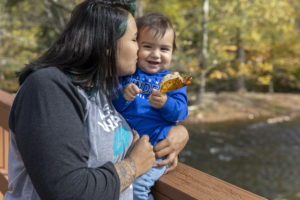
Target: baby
{"points": [[140, 102]]}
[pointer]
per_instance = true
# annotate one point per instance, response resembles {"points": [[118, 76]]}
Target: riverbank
{"points": [[228, 106]]}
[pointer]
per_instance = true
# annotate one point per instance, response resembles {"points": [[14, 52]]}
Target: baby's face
{"points": [[155, 52]]}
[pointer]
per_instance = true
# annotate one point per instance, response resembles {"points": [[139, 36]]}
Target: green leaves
{"points": [[269, 33]]}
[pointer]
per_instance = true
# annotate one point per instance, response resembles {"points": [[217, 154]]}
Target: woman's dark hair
{"points": [[87, 48], [158, 22]]}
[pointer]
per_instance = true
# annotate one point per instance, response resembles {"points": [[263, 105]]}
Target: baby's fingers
{"points": [[156, 93], [134, 89]]}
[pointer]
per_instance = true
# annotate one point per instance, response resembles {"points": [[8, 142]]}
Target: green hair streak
{"points": [[131, 6]]}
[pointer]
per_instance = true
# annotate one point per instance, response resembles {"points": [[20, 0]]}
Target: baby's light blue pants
{"points": [[142, 185]]}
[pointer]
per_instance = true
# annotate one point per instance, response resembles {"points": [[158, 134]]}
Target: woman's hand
{"points": [[139, 159], [171, 146], [143, 156], [136, 137]]}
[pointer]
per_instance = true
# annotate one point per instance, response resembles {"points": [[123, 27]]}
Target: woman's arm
{"points": [[176, 140], [138, 161], [47, 121], [126, 170]]}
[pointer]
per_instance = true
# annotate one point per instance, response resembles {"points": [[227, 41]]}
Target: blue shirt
{"points": [[144, 118]]}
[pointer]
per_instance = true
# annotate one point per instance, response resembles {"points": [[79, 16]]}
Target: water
{"points": [[261, 157]]}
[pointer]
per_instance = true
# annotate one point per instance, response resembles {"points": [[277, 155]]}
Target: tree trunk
{"points": [[201, 90], [139, 9], [271, 87], [204, 53], [240, 56]]}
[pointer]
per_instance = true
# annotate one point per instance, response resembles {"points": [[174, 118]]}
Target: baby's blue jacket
{"points": [[144, 118]]}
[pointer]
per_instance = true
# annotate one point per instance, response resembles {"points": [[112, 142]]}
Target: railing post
{"points": [[5, 105]]}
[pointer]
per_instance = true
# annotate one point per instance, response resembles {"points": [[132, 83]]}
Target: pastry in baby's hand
{"points": [[174, 81]]}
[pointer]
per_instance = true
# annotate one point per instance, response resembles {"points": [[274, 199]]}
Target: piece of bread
{"points": [[174, 81]]}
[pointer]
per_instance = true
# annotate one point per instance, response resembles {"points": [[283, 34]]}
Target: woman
{"points": [[67, 140]]}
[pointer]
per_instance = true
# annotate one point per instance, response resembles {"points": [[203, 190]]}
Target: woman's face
{"points": [[127, 50]]}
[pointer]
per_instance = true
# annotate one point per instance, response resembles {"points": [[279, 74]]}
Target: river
{"points": [[259, 156]]}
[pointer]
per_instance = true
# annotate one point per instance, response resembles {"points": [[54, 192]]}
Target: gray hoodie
{"points": [[64, 142]]}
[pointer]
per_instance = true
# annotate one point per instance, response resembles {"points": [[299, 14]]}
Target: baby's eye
{"points": [[147, 46], [165, 49]]}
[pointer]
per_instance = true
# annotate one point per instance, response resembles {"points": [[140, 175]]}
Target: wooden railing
{"points": [[184, 183], [5, 104]]}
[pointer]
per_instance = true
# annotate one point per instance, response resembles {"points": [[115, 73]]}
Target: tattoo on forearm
{"points": [[127, 172]]}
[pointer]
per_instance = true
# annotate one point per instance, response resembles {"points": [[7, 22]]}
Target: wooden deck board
{"points": [[195, 184], [3, 184], [2, 150]]}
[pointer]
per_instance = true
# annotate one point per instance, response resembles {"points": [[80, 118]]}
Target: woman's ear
{"points": [[107, 52]]}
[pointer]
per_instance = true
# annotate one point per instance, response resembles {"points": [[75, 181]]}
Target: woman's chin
{"points": [[132, 71], [127, 73]]}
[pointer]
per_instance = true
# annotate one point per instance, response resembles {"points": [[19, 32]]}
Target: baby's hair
{"points": [[158, 22]]}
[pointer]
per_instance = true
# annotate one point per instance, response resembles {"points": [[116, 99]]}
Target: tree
{"points": [[204, 53], [27, 28], [253, 41]]}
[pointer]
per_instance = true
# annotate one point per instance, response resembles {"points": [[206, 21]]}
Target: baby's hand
{"points": [[157, 99], [131, 91]]}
